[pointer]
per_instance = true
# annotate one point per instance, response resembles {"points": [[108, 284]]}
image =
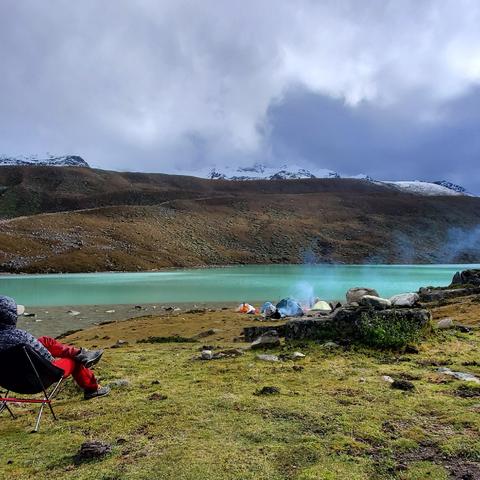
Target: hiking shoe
{"points": [[89, 357], [99, 392]]}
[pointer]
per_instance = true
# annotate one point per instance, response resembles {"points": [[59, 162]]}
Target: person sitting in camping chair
{"points": [[73, 361]]}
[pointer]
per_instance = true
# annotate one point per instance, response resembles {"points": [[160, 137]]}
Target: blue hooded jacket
{"points": [[11, 336]]}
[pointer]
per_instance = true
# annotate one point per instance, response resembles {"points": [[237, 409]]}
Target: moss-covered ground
{"points": [[334, 418]]}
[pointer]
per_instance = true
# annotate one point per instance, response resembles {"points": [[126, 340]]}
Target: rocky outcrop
{"points": [[354, 324], [467, 277]]}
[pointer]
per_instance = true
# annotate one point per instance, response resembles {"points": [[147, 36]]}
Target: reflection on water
{"points": [[251, 283]]}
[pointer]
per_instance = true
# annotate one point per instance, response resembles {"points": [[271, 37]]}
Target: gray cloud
{"points": [[377, 86]]}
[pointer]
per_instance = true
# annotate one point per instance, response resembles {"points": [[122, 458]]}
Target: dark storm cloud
{"points": [[382, 87], [314, 129]]}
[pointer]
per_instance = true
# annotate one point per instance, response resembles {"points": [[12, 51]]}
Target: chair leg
{"points": [[4, 406], [39, 417], [48, 397]]}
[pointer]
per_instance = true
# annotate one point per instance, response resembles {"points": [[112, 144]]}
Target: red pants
{"points": [[65, 359]]}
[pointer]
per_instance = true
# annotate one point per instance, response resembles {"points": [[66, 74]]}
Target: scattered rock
{"points": [[356, 294], [109, 311], [207, 333], [411, 349], [157, 396], [28, 314], [297, 355], [119, 383], [468, 391], [466, 377], [445, 323], [388, 379], [405, 300], [298, 368], [138, 307], [268, 391], [377, 303], [331, 345], [206, 355], [269, 339], [231, 352], [92, 450], [267, 358], [462, 328], [197, 311], [119, 343], [73, 313], [155, 382], [404, 385]]}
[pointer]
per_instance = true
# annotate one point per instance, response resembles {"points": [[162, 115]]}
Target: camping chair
{"points": [[24, 371]]}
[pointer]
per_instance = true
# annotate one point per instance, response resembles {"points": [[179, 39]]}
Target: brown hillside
{"points": [[226, 223]]}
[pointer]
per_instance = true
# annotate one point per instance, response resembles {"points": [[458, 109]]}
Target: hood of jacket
{"points": [[8, 313]]}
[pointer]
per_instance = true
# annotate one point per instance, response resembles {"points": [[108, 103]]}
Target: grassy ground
{"points": [[334, 418]]}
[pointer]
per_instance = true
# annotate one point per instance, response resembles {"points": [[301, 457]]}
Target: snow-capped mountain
{"points": [[262, 172], [46, 160], [294, 172]]}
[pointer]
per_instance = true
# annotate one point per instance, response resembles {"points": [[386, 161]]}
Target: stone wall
{"points": [[389, 328]]}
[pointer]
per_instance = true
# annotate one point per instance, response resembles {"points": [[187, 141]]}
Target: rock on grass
{"points": [[404, 385], [268, 391], [92, 450]]}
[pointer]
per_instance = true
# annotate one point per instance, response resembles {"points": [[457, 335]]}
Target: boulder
{"points": [[269, 339], [355, 294], [445, 323], [405, 299], [376, 303]]}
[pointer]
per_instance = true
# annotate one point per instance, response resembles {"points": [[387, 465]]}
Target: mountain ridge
{"points": [[47, 160]]}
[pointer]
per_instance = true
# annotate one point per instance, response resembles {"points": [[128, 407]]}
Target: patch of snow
{"points": [[423, 188]]}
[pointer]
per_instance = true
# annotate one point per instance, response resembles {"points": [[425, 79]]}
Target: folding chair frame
{"points": [[47, 399]]}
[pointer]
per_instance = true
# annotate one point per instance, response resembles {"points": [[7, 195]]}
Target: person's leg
{"points": [[57, 349], [84, 377]]}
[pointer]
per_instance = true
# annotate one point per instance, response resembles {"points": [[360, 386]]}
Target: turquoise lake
{"points": [[252, 283]]}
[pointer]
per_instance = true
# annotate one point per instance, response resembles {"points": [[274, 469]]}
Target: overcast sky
{"points": [[386, 88]]}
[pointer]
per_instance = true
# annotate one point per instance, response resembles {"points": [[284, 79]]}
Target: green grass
{"points": [[335, 419]]}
